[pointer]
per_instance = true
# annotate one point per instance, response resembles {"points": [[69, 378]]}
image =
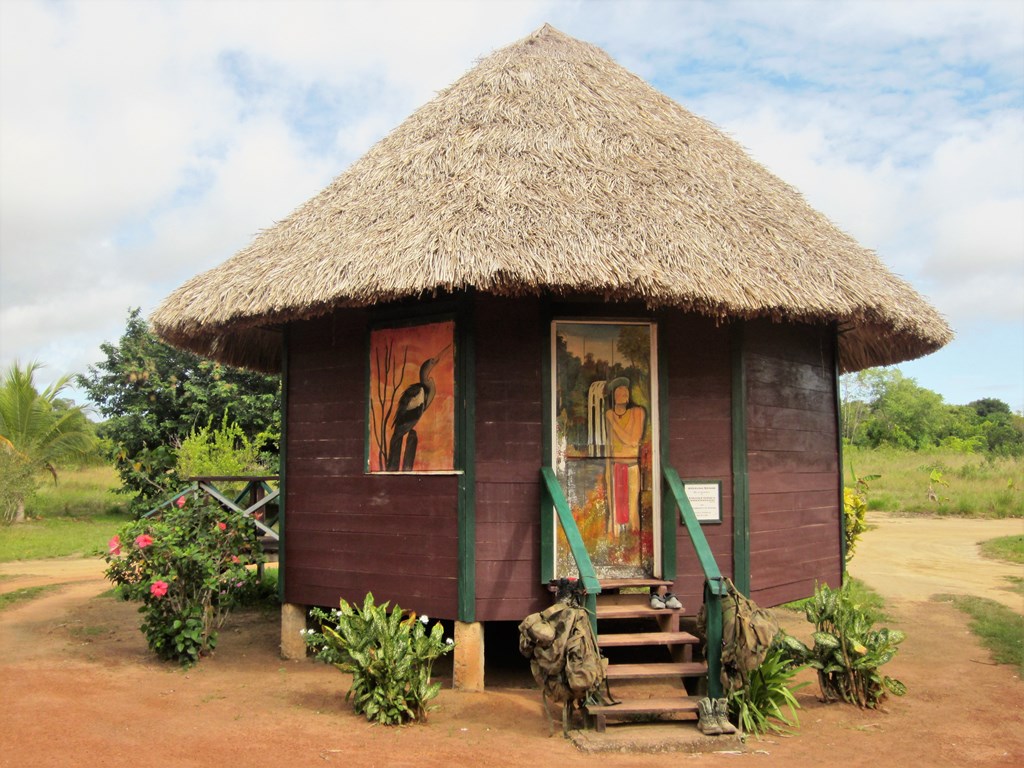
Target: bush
{"points": [[847, 651], [762, 703], [390, 657], [189, 568]]}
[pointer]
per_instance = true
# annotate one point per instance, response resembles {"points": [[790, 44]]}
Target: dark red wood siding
{"points": [[699, 425], [793, 461], [510, 345], [347, 532]]}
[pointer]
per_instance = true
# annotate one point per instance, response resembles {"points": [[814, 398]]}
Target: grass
{"points": [[75, 517], [25, 594], [1000, 629], [939, 482], [1008, 548], [79, 493]]}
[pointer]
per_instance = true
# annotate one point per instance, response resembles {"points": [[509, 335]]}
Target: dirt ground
{"points": [[79, 687]]}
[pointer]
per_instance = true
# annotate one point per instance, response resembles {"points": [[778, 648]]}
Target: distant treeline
{"points": [[882, 407]]}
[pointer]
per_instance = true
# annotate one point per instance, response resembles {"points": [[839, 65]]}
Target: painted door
{"points": [[604, 444]]}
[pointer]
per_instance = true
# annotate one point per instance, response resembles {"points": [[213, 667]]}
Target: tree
{"points": [[38, 430], [154, 396]]}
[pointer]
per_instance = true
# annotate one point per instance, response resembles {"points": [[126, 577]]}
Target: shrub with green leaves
{"points": [[189, 568], [847, 650], [389, 653], [766, 702]]}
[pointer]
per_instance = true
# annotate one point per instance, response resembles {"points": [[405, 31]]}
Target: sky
{"points": [[144, 141]]}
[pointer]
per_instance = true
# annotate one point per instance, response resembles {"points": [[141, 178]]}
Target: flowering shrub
{"points": [[188, 569], [390, 657]]}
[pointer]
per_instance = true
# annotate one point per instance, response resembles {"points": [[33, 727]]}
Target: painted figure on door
{"points": [[625, 423]]}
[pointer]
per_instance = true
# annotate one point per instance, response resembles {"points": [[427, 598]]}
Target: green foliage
{"points": [[882, 407], [1008, 548], [847, 651], [58, 537], [189, 568], [224, 452], [38, 431], [1000, 629], [390, 656], [766, 703], [154, 396]]}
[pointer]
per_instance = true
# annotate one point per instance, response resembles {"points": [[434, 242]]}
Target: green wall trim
{"points": [[740, 475], [669, 565], [547, 512], [282, 468], [839, 454], [465, 426]]}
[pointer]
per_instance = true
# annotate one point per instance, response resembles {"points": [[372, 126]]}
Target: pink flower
{"points": [[158, 588], [180, 501], [143, 540], [114, 545], [222, 526], [234, 559]]}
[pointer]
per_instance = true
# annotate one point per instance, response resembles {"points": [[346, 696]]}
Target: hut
{"points": [[553, 287]]}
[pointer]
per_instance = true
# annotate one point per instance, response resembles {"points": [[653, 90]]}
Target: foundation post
{"points": [[293, 620], [468, 666]]}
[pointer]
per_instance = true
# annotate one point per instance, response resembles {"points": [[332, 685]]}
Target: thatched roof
{"points": [[548, 168]]}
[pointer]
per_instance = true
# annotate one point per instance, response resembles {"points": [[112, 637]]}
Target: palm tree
{"points": [[37, 431]]}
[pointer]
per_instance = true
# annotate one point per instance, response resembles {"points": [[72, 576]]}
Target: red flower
{"points": [[222, 526], [158, 588], [180, 501], [143, 540], [234, 559], [114, 545]]}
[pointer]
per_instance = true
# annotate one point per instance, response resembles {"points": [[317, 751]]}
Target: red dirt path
{"points": [[79, 688]]}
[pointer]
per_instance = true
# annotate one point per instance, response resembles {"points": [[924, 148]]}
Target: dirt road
{"points": [[80, 688]]}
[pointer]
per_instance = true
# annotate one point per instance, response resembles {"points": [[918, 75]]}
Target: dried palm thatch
{"points": [[548, 168]]}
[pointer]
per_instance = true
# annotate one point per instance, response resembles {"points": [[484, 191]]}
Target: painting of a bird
{"points": [[411, 406]]}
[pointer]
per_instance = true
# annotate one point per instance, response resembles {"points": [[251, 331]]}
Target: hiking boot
{"points": [[721, 709], [707, 722], [671, 601], [658, 601]]}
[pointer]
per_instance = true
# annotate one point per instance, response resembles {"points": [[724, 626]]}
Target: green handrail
{"points": [[576, 546], [714, 585]]}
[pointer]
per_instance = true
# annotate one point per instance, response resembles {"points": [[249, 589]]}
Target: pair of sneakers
{"points": [[668, 600]]}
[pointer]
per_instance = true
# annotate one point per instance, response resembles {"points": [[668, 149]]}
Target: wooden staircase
{"points": [[651, 668]]}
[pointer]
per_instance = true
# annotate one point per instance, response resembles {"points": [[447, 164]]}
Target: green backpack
{"points": [[747, 633], [563, 653]]}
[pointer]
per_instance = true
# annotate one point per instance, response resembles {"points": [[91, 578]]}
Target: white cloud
{"points": [[141, 142]]}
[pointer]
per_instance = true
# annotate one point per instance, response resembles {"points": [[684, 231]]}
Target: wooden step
{"points": [[619, 639], [647, 671], [611, 585], [669, 705], [632, 610]]}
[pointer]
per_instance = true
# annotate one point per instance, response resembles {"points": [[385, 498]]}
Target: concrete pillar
{"points": [[468, 666], [293, 620]]}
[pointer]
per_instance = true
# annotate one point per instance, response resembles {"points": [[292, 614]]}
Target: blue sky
{"points": [[142, 142]]}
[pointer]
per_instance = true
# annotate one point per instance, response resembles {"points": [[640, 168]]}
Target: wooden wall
{"points": [[793, 461], [348, 532], [699, 421], [510, 344]]}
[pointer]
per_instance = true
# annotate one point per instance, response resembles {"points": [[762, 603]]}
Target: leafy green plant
{"points": [[390, 655], [189, 568], [766, 703], [847, 651], [855, 510]]}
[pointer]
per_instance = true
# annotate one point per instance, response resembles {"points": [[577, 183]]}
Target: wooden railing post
{"points": [[714, 584], [576, 546]]}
